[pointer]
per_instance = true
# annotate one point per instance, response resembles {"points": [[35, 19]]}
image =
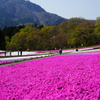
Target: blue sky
{"points": [[88, 9]]}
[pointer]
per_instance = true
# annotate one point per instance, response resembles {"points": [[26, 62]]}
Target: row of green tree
{"points": [[72, 33]]}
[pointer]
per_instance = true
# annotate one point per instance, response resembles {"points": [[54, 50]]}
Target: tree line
{"points": [[72, 33]]}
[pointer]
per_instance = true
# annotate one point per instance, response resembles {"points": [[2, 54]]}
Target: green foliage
{"points": [[18, 41], [97, 26], [10, 31], [71, 33], [81, 34], [34, 40], [97, 30], [28, 37], [2, 40]]}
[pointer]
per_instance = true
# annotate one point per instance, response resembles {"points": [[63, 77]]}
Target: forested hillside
{"points": [[72, 33]]}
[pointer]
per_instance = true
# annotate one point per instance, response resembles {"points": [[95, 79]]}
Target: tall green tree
{"points": [[97, 29], [47, 37], [18, 41], [27, 38], [2, 40], [82, 34], [34, 40]]}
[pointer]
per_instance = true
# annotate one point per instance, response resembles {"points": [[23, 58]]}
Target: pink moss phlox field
{"points": [[66, 77], [1, 54], [96, 47]]}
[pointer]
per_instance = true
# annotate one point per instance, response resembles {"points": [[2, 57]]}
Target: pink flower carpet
{"points": [[64, 77]]}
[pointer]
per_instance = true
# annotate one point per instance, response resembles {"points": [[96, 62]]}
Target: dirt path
{"points": [[24, 60]]}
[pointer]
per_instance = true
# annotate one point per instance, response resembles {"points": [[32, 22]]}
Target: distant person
{"points": [[18, 52], [76, 49], [5, 53], [21, 52], [10, 52], [60, 51]]}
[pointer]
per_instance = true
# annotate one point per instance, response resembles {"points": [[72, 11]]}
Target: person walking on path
{"points": [[5, 53], [10, 52], [60, 51], [18, 52], [21, 52]]}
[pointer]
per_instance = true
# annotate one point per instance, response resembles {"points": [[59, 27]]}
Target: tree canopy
{"points": [[75, 33]]}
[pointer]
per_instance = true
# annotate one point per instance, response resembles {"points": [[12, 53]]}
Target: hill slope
{"points": [[16, 12]]}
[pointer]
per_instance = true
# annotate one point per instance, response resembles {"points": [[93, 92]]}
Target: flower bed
{"points": [[67, 77], [97, 47]]}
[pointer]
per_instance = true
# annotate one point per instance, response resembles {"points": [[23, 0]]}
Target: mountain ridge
{"points": [[17, 12]]}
